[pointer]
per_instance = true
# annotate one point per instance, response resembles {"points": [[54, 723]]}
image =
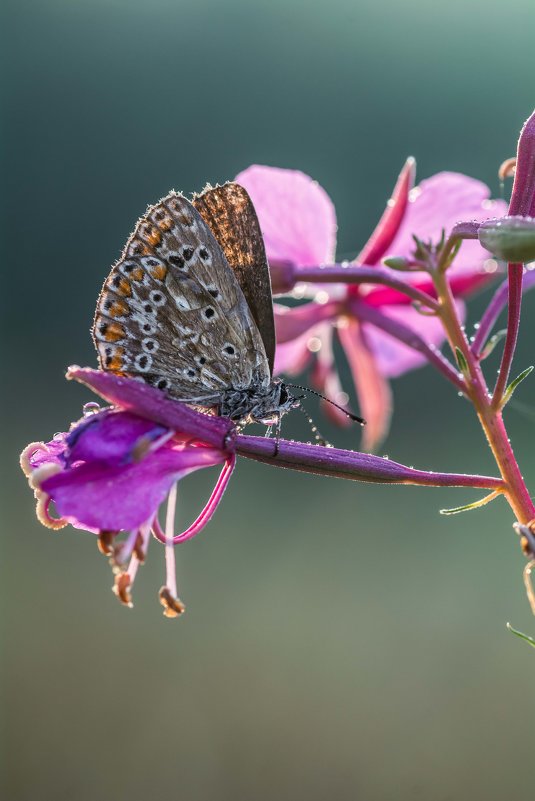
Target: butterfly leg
{"points": [[277, 434]]}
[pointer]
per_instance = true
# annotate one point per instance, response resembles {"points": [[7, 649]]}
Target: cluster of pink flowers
{"points": [[298, 221], [114, 468]]}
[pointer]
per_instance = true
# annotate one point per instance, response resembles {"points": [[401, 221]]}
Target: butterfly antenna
{"points": [[354, 417]]}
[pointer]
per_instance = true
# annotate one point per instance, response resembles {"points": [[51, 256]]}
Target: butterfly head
{"points": [[257, 403]]}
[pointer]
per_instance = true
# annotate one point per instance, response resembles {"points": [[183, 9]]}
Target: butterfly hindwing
{"points": [[172, 312], [230, 214]]}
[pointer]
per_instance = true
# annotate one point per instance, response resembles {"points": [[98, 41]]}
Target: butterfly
{"points": [[188, 307]]}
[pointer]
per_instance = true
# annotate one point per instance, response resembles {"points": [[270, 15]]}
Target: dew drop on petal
{"points": [[321, 297], [90, 408]]}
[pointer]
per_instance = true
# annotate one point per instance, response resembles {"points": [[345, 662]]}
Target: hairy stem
{"points": [[489, 415]]}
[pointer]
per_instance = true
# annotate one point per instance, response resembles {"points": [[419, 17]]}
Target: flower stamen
{"points": [[173, 606], [105, 541]]}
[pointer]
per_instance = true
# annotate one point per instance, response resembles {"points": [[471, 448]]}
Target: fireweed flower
{"points": [[113, 470], [110, 474], [298, 222]]}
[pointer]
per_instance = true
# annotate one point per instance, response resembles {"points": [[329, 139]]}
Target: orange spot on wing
{"points": [[166, 224], [118, 309], [114, 332], [154, 237], [159, 272], [122, 287], [116, 362], [137, 274]]}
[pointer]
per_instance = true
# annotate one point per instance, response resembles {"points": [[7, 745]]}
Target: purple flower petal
{"points": [[109, 497], [46, 453], [296, 215], [523, 194], [392, 357], [373, 391], [148, 402], [111, 437]]}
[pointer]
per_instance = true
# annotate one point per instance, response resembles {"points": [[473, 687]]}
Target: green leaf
{"points": [[447, 257], [491, 343], [522, 636], [513, 385], [469, 506], [461, 361]]}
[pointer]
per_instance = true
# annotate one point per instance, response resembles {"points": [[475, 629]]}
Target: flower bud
{"points": [[509, 238]]}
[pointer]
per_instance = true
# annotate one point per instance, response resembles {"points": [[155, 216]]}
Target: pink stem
{"points": [[285, 276], [494, 309], [489, 415], [513, 321], [360, 274], [207, 512], [352, 465], [366, 313]]}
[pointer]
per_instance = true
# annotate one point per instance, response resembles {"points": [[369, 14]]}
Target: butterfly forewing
{"points": [[172, 312], [230, 214]]}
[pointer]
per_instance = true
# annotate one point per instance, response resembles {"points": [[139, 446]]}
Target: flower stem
{"points": [[408, 336], [489, 415], [354, 274]]}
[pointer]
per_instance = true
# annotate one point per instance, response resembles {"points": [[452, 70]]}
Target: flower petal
{"points": [[110, 436], [146, 401], [439, 203], [296, 215], [292, 323], [392, 357], [392, 217], [110, 497], [373, 391], [326, 380]]}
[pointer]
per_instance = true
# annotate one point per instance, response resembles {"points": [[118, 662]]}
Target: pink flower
{"points": [[298, 222], [114, 469]]}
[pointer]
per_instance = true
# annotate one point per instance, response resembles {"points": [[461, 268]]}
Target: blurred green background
{"points": [[341, 640]]}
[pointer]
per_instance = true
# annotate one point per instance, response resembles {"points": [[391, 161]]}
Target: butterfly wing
{"points": [[231, 216], [172, 312]]}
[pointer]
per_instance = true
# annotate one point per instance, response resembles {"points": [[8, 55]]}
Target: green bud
{"points": [[397, 263], [509, 238]]}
